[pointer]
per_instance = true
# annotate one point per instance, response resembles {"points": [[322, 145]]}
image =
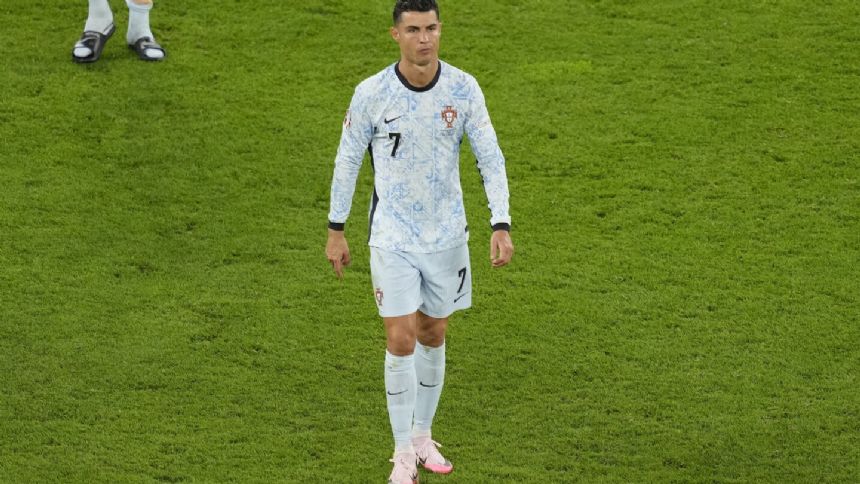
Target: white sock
{"points": [[400, 394], [99, 19], [138, 26], [100, 16], [430, 372]]}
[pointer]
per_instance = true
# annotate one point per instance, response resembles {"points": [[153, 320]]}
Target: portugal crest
{"points": [[378, 295], [449, 114]]}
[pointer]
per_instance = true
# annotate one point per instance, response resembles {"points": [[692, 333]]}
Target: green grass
{"points": [[683, 304]]}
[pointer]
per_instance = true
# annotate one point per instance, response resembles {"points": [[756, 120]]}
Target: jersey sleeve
{"points": [[354, 141], [491, 162]]}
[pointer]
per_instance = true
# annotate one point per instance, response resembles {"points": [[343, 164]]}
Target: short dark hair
{"points": [[414, 6]]}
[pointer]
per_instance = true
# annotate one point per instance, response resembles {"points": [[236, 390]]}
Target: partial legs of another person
{"points": [[140, 37], [97, 31]]}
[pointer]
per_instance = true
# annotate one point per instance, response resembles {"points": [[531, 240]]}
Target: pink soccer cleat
{"points": [[430, 458], [405, 469]]}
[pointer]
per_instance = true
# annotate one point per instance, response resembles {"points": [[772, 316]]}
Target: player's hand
{"points": [[337, 251], [501, 248]]}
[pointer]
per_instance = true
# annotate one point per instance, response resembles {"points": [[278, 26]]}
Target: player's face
{"points": [[418, 34]]}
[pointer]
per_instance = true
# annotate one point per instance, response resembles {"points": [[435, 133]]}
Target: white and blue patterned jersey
{"points": [[413, 136]]}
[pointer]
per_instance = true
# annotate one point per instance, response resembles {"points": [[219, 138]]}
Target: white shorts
{"points": [[437, 284]]}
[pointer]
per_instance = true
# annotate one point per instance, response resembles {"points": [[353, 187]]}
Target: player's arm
{"points": [[491, 164], [354, 139]]}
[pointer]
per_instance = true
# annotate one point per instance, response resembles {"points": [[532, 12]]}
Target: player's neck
{"points": [[418, 76]]}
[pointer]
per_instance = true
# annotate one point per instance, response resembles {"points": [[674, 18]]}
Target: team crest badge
{"points": [[449, 114], [378, 295]]}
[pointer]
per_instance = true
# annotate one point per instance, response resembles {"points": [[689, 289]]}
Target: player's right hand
{"points": [[337, 251]]}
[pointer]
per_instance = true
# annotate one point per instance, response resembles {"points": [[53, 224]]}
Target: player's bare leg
{"points": [[430, 371], [400, 389]]}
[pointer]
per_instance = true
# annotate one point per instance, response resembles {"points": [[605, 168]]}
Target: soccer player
{"points": [[99, 28], [411, 118]]}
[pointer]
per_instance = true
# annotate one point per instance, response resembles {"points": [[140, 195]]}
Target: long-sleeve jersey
{"points": [[413, 136]]}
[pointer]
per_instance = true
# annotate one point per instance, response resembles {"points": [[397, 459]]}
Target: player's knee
{"points": [[432, 340], [432, 331], [432, 337], [401, 342]]}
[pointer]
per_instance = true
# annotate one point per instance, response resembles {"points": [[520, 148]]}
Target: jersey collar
{"points": [[413, 88]]}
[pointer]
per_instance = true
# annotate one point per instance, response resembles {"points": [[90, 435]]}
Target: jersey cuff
{"points": [[336, 226], [502, 226]]}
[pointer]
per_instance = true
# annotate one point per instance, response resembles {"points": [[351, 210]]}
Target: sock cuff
{"points": [[398, 363], [137, 7], [430, 352]]}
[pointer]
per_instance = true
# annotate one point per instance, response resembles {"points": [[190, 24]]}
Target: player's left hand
{"points": [[501, 248]]}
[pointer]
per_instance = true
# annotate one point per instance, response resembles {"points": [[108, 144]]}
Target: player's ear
{"points": [[395, 34]]}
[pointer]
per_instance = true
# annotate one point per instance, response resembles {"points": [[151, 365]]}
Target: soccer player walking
{"points": [[411, 118]]}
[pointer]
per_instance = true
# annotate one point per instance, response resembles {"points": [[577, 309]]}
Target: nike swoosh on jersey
{"points": [[392, 119]]}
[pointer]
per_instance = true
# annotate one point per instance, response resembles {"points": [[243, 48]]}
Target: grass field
{"points": [[683, 305]]}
